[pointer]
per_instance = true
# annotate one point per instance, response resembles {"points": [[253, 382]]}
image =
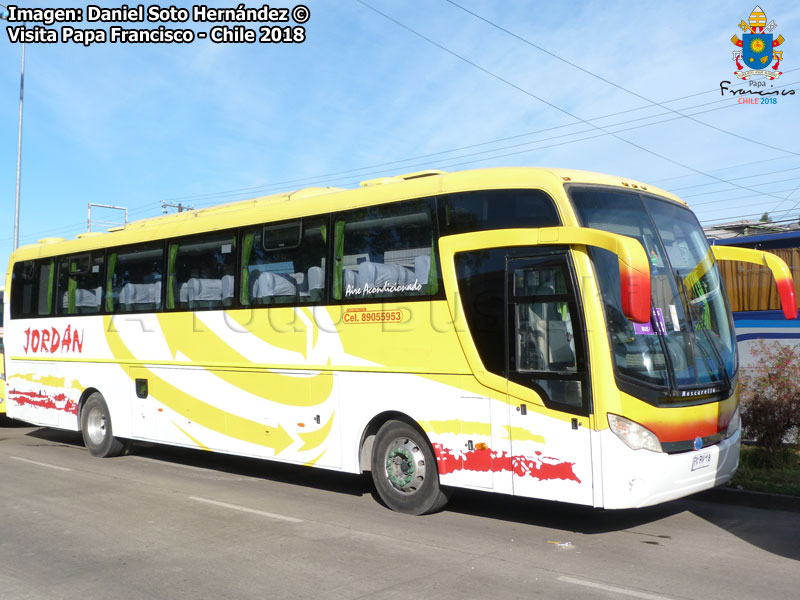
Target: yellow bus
{"points": [[545, 333]]}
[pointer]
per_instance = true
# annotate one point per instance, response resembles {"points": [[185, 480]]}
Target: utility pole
{"points": [[19, 141], [179, 206]]}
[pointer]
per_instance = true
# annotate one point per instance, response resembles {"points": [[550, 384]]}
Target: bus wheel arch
{"points": [[403, 464], [368, 436], [82, 402], [94, 420]]}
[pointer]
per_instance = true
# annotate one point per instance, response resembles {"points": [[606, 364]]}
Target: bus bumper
{"points": [[636, 478]]}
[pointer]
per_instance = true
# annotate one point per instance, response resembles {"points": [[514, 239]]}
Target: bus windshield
{"points": [[688, 349]]}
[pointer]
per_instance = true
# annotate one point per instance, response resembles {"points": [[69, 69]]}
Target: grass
{"points": [[758, 472]]}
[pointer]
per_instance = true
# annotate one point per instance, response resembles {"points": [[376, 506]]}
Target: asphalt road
{"points": [[165, 523]]}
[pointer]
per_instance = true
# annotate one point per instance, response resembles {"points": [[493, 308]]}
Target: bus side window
{"points": [[495, 209], [481, 284], [201, 271], [32, 288], [284, 263], [134, 278], [386, 251], [79, 289]]}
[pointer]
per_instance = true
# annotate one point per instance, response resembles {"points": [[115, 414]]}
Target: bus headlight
{"points": [[733, 426], [634, 435]]}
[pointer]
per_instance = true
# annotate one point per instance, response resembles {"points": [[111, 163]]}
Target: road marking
{"points": [[614, 589], [247, 510], [41, 464]]}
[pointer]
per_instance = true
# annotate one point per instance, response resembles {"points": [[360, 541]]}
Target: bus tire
{"points": [[98, 435], [404, 470]]}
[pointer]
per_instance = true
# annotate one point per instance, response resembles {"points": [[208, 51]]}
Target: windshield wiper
{"points": [[696, 324], [661, 335]]}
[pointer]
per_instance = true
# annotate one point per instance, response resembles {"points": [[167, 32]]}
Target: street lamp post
{"points": [[19, 141]]}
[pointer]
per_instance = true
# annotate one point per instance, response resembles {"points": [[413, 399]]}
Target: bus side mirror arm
{"points": [[634, 268], [780, 271]]}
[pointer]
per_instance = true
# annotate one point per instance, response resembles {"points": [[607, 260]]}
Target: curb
{"points": [[725, 495]]}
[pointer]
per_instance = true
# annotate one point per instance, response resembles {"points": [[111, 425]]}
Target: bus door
{"points": [[548, 388]]}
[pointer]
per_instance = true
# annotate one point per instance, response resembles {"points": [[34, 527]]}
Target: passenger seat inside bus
{"points": [[207, 293], [316, 284], [86, 300], [372, 274], [277, 287], [140, 296]]}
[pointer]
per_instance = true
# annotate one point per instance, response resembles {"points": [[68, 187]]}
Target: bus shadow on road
{"points": [[772, 531], [342, 483], [555, 515], [6, 422], [558, 515], [543, 513]]}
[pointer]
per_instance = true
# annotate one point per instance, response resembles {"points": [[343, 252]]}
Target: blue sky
{"points": [[204, 123]]}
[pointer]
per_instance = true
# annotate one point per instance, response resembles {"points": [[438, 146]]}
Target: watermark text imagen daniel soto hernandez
{"points": [[88, 25]]}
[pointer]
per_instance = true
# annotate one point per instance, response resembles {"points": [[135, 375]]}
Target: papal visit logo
{"points": [[757, 48]]}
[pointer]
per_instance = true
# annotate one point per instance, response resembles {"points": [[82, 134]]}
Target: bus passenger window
{"points": [[134, 278], [80, 284], [385, 251], [32, 288], [201, 271], [495, 209], [284, 263]]}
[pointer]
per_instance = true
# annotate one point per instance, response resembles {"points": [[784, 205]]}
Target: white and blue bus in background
{"points": [[753, 295]]}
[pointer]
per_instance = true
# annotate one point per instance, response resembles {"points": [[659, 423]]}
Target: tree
{"points": [[765, 218], [770, 396]]}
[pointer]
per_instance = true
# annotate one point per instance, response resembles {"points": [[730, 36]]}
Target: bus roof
{"points": [[318, 200]]}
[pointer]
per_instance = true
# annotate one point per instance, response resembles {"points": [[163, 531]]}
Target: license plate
{"points": [[701, 461]]}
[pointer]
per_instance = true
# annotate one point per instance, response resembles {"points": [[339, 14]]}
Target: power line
{"points": [[726, 191], [147, 207], [539, 141], [277, 185], [281, 185], [613, 84], [542, 100], [740, 165], [787, 197], [306, 180], [749, 196], [735, 179], [240, 191], [446, 164], [744, 217], [609, 82]]}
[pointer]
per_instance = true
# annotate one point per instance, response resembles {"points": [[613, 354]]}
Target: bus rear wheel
{"points": [[404, 470], [96, 428]]}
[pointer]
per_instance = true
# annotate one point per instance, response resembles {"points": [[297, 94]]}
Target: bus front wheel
{"points": [[96, 428], [404, 470]]}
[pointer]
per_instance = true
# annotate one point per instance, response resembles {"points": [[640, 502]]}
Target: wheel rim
{"points": [[96, 426], [405, 465]]}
